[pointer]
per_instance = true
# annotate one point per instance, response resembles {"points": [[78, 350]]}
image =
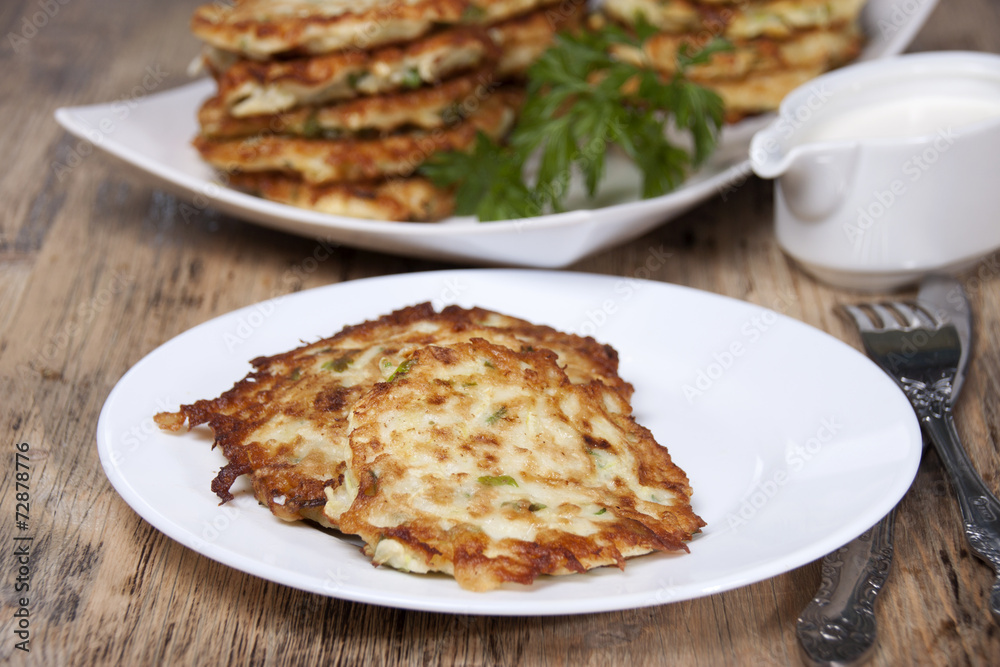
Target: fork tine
{"points": [[889, 320], [928, 317], [908, 313], [860, 317]]}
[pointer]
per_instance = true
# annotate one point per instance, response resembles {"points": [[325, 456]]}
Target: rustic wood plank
{"points": [[98, 267]]}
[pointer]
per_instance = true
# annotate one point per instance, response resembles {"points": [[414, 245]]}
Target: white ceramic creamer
{"points": [[888, 170]]}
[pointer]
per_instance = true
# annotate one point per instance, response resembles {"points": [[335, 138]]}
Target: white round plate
{"points": [[793, 441], [154, 135]]}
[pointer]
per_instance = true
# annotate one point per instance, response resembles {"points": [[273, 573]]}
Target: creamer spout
{"points": [[768, 155]]}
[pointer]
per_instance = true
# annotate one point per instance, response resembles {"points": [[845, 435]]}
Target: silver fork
{"points": [[924, 346]]}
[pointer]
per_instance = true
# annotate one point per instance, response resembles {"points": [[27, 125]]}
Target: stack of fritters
{"points": [[333, 105], [464, 441], [777, 44]]}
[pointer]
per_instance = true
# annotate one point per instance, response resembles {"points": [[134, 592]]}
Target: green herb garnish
{"points": [[473, 14], [412, 78], [601, 511], [499, 480], [311, 127], [401, 370], [489, 181], [521, 505], [296, 374], [354, 78], [339, 364], [580, 100], [497, 416]]}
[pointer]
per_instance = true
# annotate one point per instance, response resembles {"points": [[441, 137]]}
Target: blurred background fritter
{"points": [[334, 105], [777, 45]]}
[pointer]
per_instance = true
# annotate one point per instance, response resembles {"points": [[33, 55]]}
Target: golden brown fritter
{"points": [[823, 49], [737, 20], [489, 464], [260, 29], [410, 199], [522, 40], [286, 424], [251, 88], [776, 45], [758, 93], [318, 161], [425, 108]]}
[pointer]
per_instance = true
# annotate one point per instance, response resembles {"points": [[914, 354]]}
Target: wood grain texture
{"points": [[98, 267]]}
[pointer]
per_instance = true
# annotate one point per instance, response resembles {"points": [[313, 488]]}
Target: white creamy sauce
{"points": [[911, 116]]}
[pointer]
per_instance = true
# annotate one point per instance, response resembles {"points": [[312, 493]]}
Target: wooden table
{"points": [[97, 269]]}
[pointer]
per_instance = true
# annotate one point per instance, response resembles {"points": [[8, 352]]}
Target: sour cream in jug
{"points": [[911, 116]]}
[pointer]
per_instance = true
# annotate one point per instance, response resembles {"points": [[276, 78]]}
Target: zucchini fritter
{"points": [[260, 29], [823, 49], [318, 161], [776, 45], [250, 88], [522, 40], [410, 199], [490, 465], [756, 18], [757, 93], [427, 107], [263, 28]]}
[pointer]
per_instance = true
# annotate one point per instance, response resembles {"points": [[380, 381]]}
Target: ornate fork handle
{"points": [[980, 508], [838, 626]]}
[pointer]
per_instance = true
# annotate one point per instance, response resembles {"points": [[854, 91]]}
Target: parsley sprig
{"points": [[581, 99]]}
